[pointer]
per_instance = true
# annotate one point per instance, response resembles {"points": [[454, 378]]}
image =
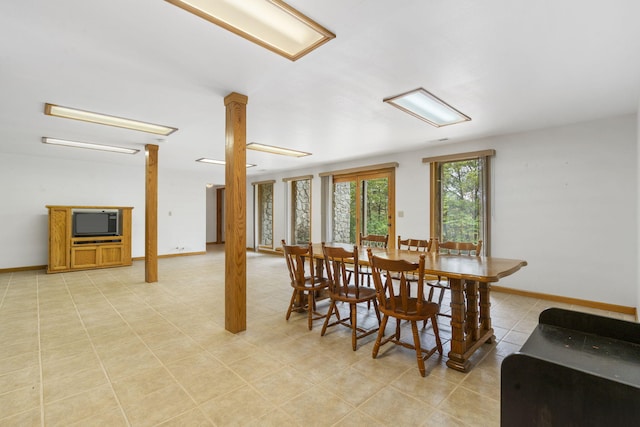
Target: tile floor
{"points": [[105, 348]]}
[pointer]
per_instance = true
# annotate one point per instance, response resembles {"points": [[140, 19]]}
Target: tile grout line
{"points": [[40, 352], [86, 331], [223, 363], [120, 282]]}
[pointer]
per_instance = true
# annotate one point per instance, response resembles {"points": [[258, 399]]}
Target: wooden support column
{"points": [[235, 318], [151, 214]]}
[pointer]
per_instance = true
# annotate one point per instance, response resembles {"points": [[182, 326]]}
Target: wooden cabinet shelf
{"points": [[69, 253]]}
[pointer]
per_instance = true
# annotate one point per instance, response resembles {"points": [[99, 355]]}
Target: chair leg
{"points": [[431, 289], [332, 308], [441, 297], [293, 300], [375, 307], [436, 332], [310, 305], [376, 346], [353, 312], [416, 343]]}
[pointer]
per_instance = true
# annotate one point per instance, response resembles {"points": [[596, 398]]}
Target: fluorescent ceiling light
{"points": [[89, 145], [425, 106], [103, 119], [272, 24], [217, 162], [276, 150]]}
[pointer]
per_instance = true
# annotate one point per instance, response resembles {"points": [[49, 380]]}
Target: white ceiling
{"points": [[511, 65]]}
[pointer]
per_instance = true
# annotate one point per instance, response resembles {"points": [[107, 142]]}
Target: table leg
{"points": [[485, 311], [471, 320], [470, 328], [458, 341]]}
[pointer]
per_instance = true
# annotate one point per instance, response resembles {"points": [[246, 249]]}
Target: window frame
{"points": [[435, 191], [292, 184], [386, 170], [258, 186]]}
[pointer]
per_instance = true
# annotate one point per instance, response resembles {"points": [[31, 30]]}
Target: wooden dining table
{"points": [[469, 279]]}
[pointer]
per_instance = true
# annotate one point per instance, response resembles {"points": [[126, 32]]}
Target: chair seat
{"points": [[311, 284], [427, 309], [363, 294]]}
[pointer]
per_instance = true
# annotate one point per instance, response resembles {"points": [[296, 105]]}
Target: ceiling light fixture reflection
{"points": [[272, 24], [428, 107], [88, 145], [217, 162], [103, 119], [276, 150]]}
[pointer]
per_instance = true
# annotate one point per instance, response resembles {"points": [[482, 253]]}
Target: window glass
{"points": [[459, 206], [362, 204], [265, 215], [301, 210]]}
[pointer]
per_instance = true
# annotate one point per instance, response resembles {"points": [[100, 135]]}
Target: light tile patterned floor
{"points": [[105, 348]]}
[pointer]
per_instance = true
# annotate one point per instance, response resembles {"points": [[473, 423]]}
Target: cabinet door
{"points": [[111, 255], [59, 232], [84, 257]]}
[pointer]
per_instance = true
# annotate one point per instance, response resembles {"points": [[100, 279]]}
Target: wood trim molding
{"points": [[568, 300], [268, 181], [141, 258], [459, 156], [371, 168], [297, 178], [17, 269]]}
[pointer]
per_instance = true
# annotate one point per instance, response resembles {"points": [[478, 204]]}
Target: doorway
{"points": [[363, 203]]}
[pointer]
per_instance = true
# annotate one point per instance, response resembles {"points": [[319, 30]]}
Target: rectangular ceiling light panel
{"points": [[88, 145], [217, 162], [276, 150], [272, 24], [103, 119], [428, 107]]}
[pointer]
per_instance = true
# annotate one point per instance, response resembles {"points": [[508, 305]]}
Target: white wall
{"points": [[30, 183], [564, 199]]}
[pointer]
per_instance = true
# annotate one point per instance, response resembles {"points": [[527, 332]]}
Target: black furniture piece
{"points": [[576, 369]]}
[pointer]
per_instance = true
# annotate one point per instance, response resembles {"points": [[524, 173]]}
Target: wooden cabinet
{"points": [[68, 253]]}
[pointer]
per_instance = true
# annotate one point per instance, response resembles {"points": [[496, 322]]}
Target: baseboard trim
{"points": [[568, 300], [141, 258], [16, 269]]}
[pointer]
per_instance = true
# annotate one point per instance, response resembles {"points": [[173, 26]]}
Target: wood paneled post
{"points": [[151, 214], [235, 213]]}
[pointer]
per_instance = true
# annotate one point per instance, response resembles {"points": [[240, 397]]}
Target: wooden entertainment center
{"points": [[68, 252]]}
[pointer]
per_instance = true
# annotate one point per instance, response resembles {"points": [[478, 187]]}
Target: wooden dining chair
{"points": [[341, 290], [419, 245], [453, 248], [371, 241], [374, 240], [305, 283], [395, 300]]}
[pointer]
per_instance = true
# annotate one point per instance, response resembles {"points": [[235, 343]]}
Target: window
{"points": [[459, 197], [265, 214], [301, 210], [363, 201]]}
